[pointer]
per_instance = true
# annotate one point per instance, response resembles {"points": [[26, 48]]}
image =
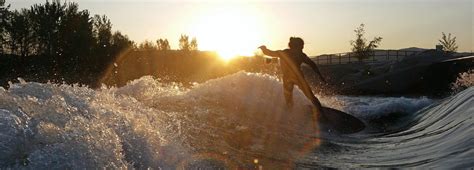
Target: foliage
{"points": [[3, 23], [360, 47], [121, 42], [163, 44], [193, 46], [448, 43], [21, 33], [184, 43], [57, 42], [147, 45]]}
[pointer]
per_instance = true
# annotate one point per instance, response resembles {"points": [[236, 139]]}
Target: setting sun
{"points": [[229, 31], [236, 84]]}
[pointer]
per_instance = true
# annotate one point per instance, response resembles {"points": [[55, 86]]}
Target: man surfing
{"points": [[291, 60], [290, 63]]}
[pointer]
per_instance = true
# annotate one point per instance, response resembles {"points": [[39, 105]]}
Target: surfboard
{"points": [[333, 120], [329, 119]]}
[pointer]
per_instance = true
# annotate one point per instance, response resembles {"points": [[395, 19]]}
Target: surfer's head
{"points": [[296, 43]]}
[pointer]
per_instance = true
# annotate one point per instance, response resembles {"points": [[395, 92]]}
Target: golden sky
{"points": [[239, 27]]}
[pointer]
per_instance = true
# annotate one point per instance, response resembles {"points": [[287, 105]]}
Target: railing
{"points": [[376, 56]]}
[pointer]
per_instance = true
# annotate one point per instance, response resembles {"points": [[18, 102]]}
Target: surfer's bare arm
{"points": [[313, 65], [268, 52]]}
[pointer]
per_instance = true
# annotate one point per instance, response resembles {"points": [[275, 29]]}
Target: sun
{"points": [[231, 32]]}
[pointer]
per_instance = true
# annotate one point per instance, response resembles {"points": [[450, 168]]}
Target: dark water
{"points": [[238, 121], [437, 136]]}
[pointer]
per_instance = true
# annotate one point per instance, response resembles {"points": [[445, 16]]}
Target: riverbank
{"points": [[428, 73]]}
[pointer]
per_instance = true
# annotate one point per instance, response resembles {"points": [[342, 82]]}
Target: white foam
{"points": [[464, 81], [370, 107], [144, 123], [148, 123]]}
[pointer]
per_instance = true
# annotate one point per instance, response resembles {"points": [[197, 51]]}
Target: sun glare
{"points": [[229, 31]]}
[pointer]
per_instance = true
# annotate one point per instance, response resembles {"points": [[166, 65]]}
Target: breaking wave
{"points": [[240, 120]]}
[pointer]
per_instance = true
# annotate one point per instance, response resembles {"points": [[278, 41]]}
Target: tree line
{"points": [[185, 44], [58, 42]]}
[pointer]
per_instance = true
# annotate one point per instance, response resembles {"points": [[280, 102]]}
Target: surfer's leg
{"points": [[309, 94], [317, 108], [288, 92]]}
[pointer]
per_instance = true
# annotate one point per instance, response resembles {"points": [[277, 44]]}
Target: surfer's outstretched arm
{"points": [[313, 65], [269, 52]]}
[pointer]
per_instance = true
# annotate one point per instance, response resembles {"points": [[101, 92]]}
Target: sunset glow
{"points": [[229, 31], [236, 84], [326, 26]]}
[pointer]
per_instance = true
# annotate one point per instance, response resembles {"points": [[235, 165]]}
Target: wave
{"points": [[438, 136], [240, 120]]}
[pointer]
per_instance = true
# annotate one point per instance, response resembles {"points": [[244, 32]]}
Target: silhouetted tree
{"points": [[193, 45], [102, 33], [184, 43], [71, 44], [46, 20], [75, 42], [120, 42], [102, 28], [360, 46], [3, 24], [163, 44], [19, 33], [147, 45], [11, 38], [68, 44], [448, 43]]}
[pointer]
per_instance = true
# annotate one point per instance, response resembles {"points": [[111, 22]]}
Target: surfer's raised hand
{"points": [[268, 52]]}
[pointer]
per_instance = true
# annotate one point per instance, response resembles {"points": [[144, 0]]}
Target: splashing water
{"points": [[240, 120], [144, 124], [463, 81]]}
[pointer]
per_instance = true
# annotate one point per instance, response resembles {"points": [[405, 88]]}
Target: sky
{"points": [[327, 26]]}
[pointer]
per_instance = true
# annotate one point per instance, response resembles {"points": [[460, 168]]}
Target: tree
{"points": [[448, 43], [120, 42], [45, 22], [19, 33], [75, 42], [102, 33], [147, 45], [3, 22], [69, 44], [193, 46], [360, 46], [184, 43], [163, 44]]}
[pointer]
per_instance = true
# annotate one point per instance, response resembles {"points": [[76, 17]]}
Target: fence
{"points": [[376, 56]]}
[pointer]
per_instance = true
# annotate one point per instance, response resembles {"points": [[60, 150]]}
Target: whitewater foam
{"points": [[144, 124], [148, 123], [372, 107], [464, 80]]}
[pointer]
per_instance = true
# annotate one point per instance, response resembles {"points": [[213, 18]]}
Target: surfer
{"points": [[290, 63], [291, 60]]}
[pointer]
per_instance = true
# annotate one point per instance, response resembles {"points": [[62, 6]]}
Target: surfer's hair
{"points": [[296, 42]]}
